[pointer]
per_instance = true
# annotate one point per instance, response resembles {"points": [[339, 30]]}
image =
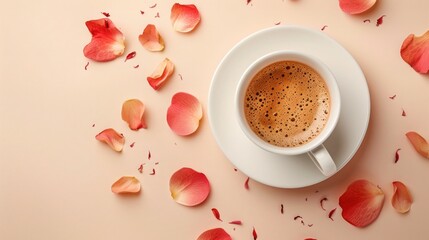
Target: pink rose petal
{"points": [[356, 6], [402, 198], [184, 114], [184, 17], [214, 234], [126, 184], [415, 52], [361, 203], [132, 113], [161, 74], [151, 40], [419, 143], [107, 41], [189, 187], [115, 140]]}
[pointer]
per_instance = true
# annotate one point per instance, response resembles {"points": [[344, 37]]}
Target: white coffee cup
{"points": [[314, 148]]}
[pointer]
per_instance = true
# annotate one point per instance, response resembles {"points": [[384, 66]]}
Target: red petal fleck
{"points": [[141, 12], [130, 55], [140, 168], [361, 203], [86, 66], [161, 74], [180, 75], [380, 20], [397, 155], [323, 28], [107, 41], [132, 113], [415, 52], [184, 17], [151, 40], [189, 187], [321, 202], [297, 217], [277, 23], [356, 6], [246, 183], [112, 138], [157, 15], [126, 184], [132, 144], [149, 155], [215, 234], [236, 222], [184, 114], [331, 213], [93, 125], [153, 6], [393, 97], [366, 21], [404, 114], [310, 239], [106, 14], [255, 235], [248, 1], [401, 199], [419, 143], [281, 208], [137, 66], [216, 214], [153, 172]]}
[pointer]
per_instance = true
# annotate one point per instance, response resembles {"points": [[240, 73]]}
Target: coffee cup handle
{"points": [[323, 160]]}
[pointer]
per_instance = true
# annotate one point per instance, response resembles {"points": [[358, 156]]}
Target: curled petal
{"points": [[184, 17], [415, 52], [132, 113], [361, 203], [151, 40], [107, 41], [164, 70], [115, 140], [419, 143], [356, 6], [184, 114], [401, 199], [215, 234], [189, 187], [126, 184]]}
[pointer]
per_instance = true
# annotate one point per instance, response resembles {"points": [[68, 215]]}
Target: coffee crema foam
{"points": [[287, 104]]}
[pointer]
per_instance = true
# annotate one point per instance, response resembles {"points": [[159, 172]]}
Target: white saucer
{"points": [[272, 169]]}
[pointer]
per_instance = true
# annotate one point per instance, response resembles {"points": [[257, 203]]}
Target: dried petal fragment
{"points": [[402, 198], [236, 222], [246, 183], [189, 187], [331, 213], [321, 203], [216, 214], [419, 143], [115, 140], [380, 20], [132, 113], [130, 55], [184, 17], [184, 114], [415, 52], [151, 40], [164, 70], [126, 184], [215, 234], [107, 41], [361, 203], [397, 155], [356, 6], [255, 235]]}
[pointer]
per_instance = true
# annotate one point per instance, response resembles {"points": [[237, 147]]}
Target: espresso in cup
{"points": [[287, 104]]}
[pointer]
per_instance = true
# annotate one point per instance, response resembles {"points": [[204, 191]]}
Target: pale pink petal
{"points": [[132, 113], [107, 41], [126, 184], [189, 187], [402, 198], [214, 234], [419, 143], [115, 140], [356, 6], [184, 17], [415, 52], [161, 74], [361, 203], [151, 40], [184, 114]]}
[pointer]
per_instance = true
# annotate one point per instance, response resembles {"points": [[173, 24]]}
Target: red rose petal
{"points": [[214, 234], [161, 74], [189, 187], [361, 203], [126, 184], [184, 114], [356, 6], [415, 52], [115, 140], [151, 40], [216, 214], [184, 17], [107, 41], [132, 113], [419, 143], [402, 198]]}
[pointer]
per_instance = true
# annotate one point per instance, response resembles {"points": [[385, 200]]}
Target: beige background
{"points": [[55, 177]]}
